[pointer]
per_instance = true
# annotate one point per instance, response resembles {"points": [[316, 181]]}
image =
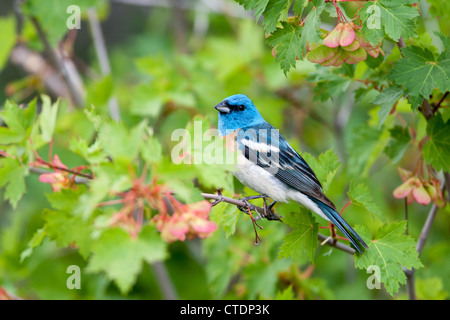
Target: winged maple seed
{"points": [[175, 220], [187, 220], [418, 189], [62, 177], [344, 44]]}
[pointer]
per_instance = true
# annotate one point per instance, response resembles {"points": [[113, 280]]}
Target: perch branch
{"points": [[262, 213]]}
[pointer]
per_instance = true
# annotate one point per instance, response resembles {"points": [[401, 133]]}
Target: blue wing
{"points": [[265, 146]]}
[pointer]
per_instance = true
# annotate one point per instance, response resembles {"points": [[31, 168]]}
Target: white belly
{"points": [[260, 180], [263, 182]]}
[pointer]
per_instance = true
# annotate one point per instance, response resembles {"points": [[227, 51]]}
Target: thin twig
{"points": [[262, 212], [164, 281], [78, 179], [103, 59], [426, 109], [55, 167], [58, 64], [401, 44], [419, 247], [410, 284], [426, 229], [437, 105], [336, 244], [447, 184]]}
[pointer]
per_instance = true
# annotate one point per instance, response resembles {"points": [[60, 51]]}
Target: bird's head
{"points": [[236, 112]]}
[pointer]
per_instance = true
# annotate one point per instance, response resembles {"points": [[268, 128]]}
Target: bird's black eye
{"points": [[241, 107]]}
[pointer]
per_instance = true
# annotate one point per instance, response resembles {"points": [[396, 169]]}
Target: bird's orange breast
{"points": [[230, 141]]}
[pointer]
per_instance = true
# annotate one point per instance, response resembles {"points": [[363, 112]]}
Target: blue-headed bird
{"points": [[267, 163]]}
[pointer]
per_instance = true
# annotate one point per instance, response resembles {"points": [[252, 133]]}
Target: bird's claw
{"points": [[251, 207], [248, 210], [269, 214]]}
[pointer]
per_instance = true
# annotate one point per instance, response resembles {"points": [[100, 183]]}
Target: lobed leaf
{"points": [[361, 196], [390, 250], [301, 242], [121, 257], [437, 150]]}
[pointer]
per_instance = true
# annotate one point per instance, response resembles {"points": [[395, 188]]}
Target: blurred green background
{"points": [[169, 61]]}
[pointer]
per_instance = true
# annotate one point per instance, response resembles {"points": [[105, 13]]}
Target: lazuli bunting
{"points": [[267, 163]]}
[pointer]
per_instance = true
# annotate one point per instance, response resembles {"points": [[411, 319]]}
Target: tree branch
{"points": [[262, 213], [419, 247], [428, 112], [78, 178], [336, 244], [426, 109], [426, 229], [165, 283], [58, 64], [437, 105]]}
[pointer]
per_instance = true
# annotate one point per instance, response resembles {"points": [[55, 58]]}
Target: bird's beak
{"points": [[222, 108]]}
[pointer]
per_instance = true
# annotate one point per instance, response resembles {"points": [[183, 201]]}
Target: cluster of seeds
{"points": [[344, 44]]}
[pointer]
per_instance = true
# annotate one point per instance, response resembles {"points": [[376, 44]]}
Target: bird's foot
{"points": [[248, 210], [250, 206], [268, 211]]}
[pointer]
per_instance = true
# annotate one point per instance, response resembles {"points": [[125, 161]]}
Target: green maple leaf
{"points": [[68, 230], [310, 29], [257, 5], [226, 216], [286, 40], [119, 141], [386, 100], [35, 241], [361, 196], [301, 242], [12, 177], [328, 85], [286, 294], [19, 121], [437, 150], [419, 72], [94, 153], [298, 6], [121, 257], [290, 40], [397, 145], [390, 250], [262, 277], [325, 167], [275, 11], [65, 227], [272, 10], [396, 19], [47, 117]]}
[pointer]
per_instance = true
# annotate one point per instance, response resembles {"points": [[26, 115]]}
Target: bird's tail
{"points": [[343, 226]]}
